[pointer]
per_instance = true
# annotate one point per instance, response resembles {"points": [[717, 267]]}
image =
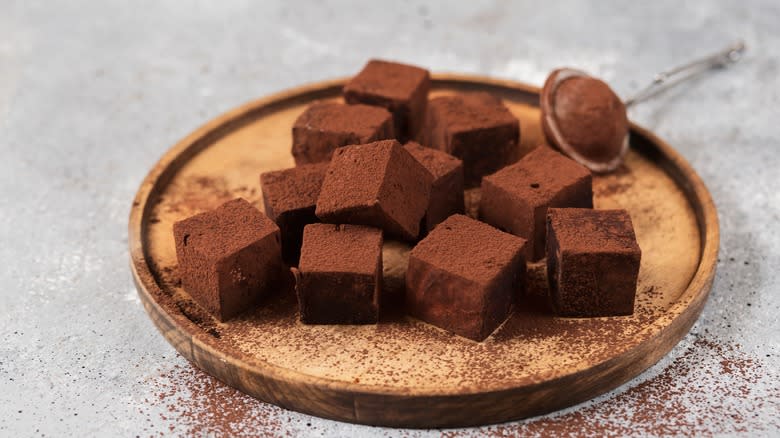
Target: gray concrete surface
{"points": [[93, 92]]}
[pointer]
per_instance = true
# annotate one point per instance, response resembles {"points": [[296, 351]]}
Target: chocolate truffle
{"points": [[475, 127], [290, 197], [402, 89], [378, 184], [339, 278], [324, 126], [516, 198], [447, 186], [228, 257], [585, 119], [464, 277], [592, 262]]}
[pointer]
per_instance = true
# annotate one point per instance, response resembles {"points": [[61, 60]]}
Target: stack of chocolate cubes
{"points": [[390, 163]]}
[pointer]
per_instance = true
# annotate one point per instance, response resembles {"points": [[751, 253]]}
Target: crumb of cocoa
{"points": [[686, 398], [195, 404]]}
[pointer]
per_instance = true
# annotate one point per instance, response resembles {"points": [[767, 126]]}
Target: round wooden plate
{"points": [[402, 372]]}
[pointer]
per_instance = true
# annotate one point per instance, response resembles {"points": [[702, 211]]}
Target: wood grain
{"points": [[403, 372]]}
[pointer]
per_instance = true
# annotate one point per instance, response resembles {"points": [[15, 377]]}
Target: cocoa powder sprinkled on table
{"points": [[195, 404], [686, 398]]}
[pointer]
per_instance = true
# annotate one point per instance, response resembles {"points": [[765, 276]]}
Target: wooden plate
{"points": [[402, 372]]}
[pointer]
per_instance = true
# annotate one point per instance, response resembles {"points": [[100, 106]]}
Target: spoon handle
{"points": [[670, 77]]}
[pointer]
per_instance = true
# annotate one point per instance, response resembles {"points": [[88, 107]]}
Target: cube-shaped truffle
{"points": [[324, 126], [475, 127], [377, 184], [228, 257], [339, 278], [447, 186], [464, 277], [592, 262], [290, 197], [516, 198], [402, 89]]}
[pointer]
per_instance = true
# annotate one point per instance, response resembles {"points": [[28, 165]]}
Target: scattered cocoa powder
{"points": [[685, 398], [196, 404], [614, 183], [196, 194]]}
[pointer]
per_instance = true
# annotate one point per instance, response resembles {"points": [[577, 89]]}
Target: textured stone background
{"points": [[93, 92]]}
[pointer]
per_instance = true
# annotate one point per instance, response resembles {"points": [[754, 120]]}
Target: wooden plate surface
{"points": [[402, 372]]}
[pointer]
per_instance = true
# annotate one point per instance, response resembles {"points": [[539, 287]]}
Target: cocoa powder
{"points": [[684, 398], [591, 117], [195, 404]]}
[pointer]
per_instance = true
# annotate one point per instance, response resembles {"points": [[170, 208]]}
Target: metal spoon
{"points": [[595, 129]]}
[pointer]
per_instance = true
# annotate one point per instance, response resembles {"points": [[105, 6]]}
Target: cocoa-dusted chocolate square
{"points": [[289, 197], [447, 186], [464, 277], [475, 127], [592, 262], [324, 126], [377, 184], [402, 89], [339, 277], [516, 198], [229, 257]]}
